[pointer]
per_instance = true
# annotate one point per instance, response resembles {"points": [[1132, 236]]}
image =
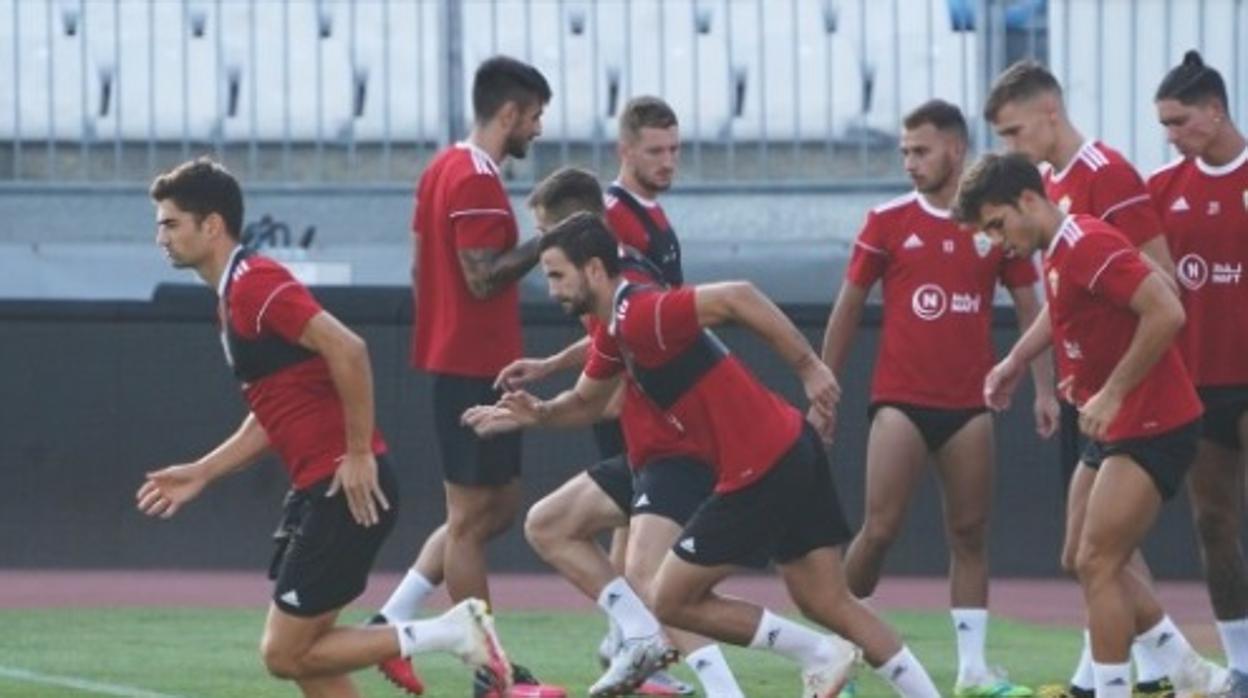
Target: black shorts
{"points": [[609, 438], [673, 488], [936, 424], [467, 459], [614, 477], [787, 513], [323, 556], [1165, 457], [1071, 441], [1224, 408]]}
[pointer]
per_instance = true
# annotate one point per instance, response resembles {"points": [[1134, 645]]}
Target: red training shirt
{"points": [[939, 281], [461, 204], [728, 417], [1205, 212], [298, 406], [1091, 272]]}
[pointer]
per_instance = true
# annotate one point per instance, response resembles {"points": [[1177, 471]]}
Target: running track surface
{"points": [[1049, 601]]}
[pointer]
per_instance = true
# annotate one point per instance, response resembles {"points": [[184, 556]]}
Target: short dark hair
{"points": [[582, 237], [645, 111], [1022, 81], [503, 79], [995, 179], [1192, 82], [566, 191], [201, 187], [942, 115]]}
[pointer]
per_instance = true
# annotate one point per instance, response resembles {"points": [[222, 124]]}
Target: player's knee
{"points": [[966, 537], [1218, 529], [540, 527], [1095, 564], [880, 532], [279, 660], [1069, 553], [668, 607]]}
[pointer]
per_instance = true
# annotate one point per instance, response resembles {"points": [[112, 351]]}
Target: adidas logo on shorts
{"points": [[688, 546], [291, 598]]}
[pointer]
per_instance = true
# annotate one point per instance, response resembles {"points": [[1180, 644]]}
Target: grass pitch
{"points": [[142, 653]]}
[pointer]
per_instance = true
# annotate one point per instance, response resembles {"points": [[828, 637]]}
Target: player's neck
{"points": [[1066, 147], [942, 199], [1227, 146], [604, 307], [490, 140], [213, 268], [1050, 219], [629, 181]]}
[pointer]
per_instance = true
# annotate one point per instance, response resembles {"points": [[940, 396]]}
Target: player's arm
{"points": [[580, 405], [843, 324], [524, 371], [1157, 253], [742, 303], [346, 356], [1161, 317], [1002, 380], [1027, 308], [164, 491], [489, 271]]}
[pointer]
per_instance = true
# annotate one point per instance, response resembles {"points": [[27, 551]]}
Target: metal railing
{"points": [[780, 91]]}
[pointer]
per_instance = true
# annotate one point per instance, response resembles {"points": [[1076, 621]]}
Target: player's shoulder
{"points": [[258, 271], [896, 206]]}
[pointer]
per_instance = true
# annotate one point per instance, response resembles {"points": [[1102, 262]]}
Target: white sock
{"points": [[807, 647], [970, 627], [431, 635], [1165, 645], [405, 601], [627, 609], [713, 672], [1083, 676], [907, 677], [1112, 680], [1235, 641], [1146, 668]]}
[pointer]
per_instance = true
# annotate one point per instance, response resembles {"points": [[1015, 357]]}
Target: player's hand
{"points": [[824, 427], [357, 478], [824, 393], [522, 372], [1098, 413], [1001, 382], [1048, 415], [490, 420], [164, 491]]}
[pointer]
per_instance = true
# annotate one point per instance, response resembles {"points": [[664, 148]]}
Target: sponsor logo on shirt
{"points": [[965, 303], [929, 301], [1194, 272], [1180, 204], [912, 243]]}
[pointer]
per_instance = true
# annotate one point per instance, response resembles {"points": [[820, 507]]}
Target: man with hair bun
{"points": [[1202, 198]]}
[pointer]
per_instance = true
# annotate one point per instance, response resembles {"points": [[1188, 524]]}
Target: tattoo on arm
{"points": [[490, 271]]}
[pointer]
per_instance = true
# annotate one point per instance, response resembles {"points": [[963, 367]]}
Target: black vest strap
{"points": [[666, 384], [664, 248]]}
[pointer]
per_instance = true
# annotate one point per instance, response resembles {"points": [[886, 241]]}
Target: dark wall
{"points": [[96, 393]]}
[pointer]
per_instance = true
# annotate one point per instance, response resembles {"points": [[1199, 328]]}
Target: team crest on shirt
{"points": [[1064, 204], [1053, 281], [983, 243]]}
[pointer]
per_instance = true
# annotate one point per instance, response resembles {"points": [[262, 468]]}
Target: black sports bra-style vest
{"points": [[253, 359], [665, 385], [663, 249]]}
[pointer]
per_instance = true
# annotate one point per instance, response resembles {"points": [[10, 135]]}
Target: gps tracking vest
{"points": [[663, 249], [253, 359], [664, 385]]}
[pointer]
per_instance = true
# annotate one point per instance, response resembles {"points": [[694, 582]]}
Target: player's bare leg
{"points": [[619, 548], [562, 527], [475, 516], [896, 456]]}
